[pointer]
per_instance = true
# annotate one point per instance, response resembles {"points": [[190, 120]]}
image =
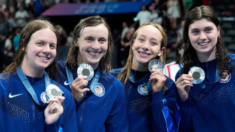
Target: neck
{"points": [[207, 56], [138, 66], [30, 71]]}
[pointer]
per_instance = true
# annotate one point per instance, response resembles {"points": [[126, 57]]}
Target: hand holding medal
{"points": [[198, 74], [54, 109], [157, 77], [85, 73]]}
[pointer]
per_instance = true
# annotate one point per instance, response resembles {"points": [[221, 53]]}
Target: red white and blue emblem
{"points": [[99, 90]]}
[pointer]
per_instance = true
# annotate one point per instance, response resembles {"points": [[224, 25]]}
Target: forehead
{"points": [[150, 32], [99, 30], [45, 34], [200, 24]]}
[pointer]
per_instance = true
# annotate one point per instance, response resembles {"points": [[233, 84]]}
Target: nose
{"points": [[145, 45], [202, 36], [46, 48], [96, 45]]}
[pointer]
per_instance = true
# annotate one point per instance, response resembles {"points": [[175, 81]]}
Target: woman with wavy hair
{"points": [[150, 107], [24, 101], [205, 106], [101, 99]]}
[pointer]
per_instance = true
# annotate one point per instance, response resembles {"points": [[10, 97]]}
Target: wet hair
{"points": [[125, 73], [223, 61], [25, 36], [179, 46], [72, 58]]}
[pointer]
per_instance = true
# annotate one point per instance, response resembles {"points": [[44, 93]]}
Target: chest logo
{"points": [[13, 96], [99, 90], [44, 97], [143, 89], [226, 79]]}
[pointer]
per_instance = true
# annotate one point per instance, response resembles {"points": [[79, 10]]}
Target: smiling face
{"points": [[92, 44], [203, 36], [40, 51], [147, 45]]}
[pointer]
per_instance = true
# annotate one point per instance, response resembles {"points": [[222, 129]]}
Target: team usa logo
{"points": [[44, 97], [99, 90], [226, 79], [143, 89]]}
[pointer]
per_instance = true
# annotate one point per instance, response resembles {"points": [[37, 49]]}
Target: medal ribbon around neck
{"points": [[28, 86], [94, 81]]}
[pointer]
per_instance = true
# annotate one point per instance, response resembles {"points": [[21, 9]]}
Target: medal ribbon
{"points": [[28, 86], [93, 82]]}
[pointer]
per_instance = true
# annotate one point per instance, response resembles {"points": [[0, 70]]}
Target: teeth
{"points": [[203, 43], [93, 53], [44, 58], [143, 53]]}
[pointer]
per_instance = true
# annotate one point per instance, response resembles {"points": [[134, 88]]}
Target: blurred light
{"points": [[135, 19]]}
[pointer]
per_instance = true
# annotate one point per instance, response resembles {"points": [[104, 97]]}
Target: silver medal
{"points": [[155, 64], [85, 70], [198, 74], [53, 91]]}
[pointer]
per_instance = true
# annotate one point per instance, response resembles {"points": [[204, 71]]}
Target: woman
{"points": [[205, 106], [22, 86], [100, 101], [149, 111]]}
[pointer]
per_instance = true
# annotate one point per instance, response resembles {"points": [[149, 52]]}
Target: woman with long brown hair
{"points": [[27, 101], [100, 98], [205, 96]]}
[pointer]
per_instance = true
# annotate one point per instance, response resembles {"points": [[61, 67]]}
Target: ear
{"points": [[162, 50], [76, 42], [218, 30]]}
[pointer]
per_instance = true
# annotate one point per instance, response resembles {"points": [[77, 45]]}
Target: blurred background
{"points": [[123, 17]]}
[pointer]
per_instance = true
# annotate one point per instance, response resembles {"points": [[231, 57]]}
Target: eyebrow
{"points": [[203, 28]]}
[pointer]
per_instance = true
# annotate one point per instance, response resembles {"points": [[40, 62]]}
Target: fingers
{"points": [[183, 84], [79, 84], [157, 75], [54, 107]]}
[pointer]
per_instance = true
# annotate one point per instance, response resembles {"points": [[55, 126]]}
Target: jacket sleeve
{"points": [[185, 110], [69, 121], [164, 109], [117, 120]]}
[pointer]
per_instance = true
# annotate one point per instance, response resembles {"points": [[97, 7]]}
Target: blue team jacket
{"points": [[209, 109], [19, 113], [100, 114], [145, 112]]}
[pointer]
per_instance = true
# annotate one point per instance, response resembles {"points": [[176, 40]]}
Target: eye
{"points": [[195, 31], [208, 29], [89, 39], [39, 43], [141, 40], [53, 46], [154, 43], [102, 40]]}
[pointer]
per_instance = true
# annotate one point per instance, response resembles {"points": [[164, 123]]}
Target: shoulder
{"points": [[61, 63], [115, 72], [112, 81]]}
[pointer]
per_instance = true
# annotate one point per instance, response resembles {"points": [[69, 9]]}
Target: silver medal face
{"points": [[53, 91], [155, 64], [85, 70], [198, 74]]}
